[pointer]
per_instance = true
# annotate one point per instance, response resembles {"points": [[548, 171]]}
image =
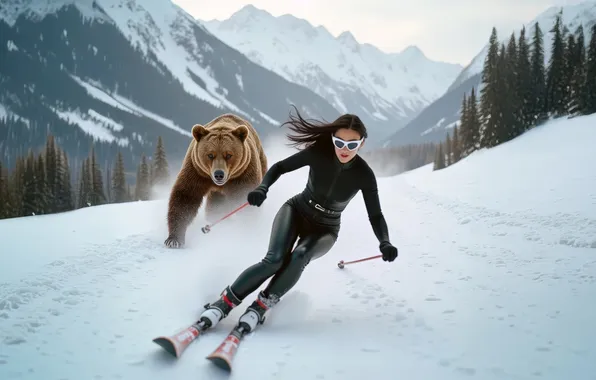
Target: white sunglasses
{"points": [[352, 145]]}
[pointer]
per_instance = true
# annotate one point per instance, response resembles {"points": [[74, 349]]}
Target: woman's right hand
{"points": [[257, 197]]}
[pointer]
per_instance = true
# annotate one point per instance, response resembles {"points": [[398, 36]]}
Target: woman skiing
{"points": [[336, 175]]}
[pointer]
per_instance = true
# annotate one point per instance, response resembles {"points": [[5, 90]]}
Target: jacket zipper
{"points": [[331, 186]]}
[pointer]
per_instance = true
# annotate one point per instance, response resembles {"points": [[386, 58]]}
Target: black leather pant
{"points": [[281, 262]]}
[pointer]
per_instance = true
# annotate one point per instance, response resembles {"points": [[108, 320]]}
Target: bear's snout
{"points": [[219, 177]]}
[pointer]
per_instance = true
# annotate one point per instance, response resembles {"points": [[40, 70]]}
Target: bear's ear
{"points": [[241, 132], [198, 132]]}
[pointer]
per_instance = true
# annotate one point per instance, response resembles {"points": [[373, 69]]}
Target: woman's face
{"points": [[346, 139]]}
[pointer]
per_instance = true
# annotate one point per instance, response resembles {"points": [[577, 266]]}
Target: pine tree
{"points": [[464, 128], [44, 196], [97, 193], [538, 81], [556, 78], [18, 187], [3, 193], [590, 76], [86, 184], [56, 205], [512, 100], [108, 186], [576, 103], [439, 158], [524, 82], [142, 185], [81, 196], [160, 173], [30, 187], [474, 124], [119, 189], [6, 195], [489, 99], [456, 145], [51, 173], [570, 63], [65, 199], [151, 165], [448, 146]]}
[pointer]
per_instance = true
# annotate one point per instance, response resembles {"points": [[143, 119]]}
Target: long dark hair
{"points": [[317, 133]]}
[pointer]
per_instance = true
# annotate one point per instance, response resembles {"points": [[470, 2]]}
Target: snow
{"points": [[440, 125], [105, 120], [3, 111], [37, 9], [11, 46], [335, 66], [268, 118], [98, 128], [494, 280], [162, 120], [583, 13], [239, 81]]}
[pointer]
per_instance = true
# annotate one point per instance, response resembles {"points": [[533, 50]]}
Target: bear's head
{"points": [[220, 151]]}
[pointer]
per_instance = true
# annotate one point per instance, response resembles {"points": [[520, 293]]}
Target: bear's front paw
{"points": [[174, 242]]}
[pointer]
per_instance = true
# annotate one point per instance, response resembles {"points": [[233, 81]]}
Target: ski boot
{"points": [[219, 309], [255, 313]]}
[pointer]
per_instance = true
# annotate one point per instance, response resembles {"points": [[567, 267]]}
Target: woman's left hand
{"points": [[389, 251]]}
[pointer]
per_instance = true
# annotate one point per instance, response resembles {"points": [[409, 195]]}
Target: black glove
{"points": [[389, 251], [257, 197]]}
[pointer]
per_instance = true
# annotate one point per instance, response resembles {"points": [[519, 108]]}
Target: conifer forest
{"points": [[519, 92], [43, 183]]}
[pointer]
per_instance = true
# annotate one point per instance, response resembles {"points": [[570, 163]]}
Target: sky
{"points": [[451, 31]]}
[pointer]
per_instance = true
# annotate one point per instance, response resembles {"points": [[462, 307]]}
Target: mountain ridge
{"points": [[146, 69], [385, 89]]}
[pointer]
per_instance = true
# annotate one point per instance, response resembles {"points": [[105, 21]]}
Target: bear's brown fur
{"points": [[228, 144]]}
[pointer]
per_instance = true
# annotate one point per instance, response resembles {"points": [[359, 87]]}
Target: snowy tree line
{"points": [[520, 92], [42, 183]]}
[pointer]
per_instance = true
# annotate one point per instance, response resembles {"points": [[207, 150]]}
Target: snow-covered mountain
{"points": [[434, 121], [387, 90], [495, 279], [122, 72]]}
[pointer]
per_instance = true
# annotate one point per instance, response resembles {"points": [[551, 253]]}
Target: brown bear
{"points": [[224, 161]]}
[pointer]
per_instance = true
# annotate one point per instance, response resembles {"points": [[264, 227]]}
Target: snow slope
{"points": [[495, 280], [354, 77]]}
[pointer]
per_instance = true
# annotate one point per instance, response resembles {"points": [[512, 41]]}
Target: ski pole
{"points": [[341, 264], [207, 227]]}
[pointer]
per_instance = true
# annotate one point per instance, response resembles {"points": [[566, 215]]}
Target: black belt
{"points": [[321, 208]]}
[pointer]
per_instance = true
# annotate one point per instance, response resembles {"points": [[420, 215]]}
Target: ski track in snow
{"points": [[475, 293]]}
